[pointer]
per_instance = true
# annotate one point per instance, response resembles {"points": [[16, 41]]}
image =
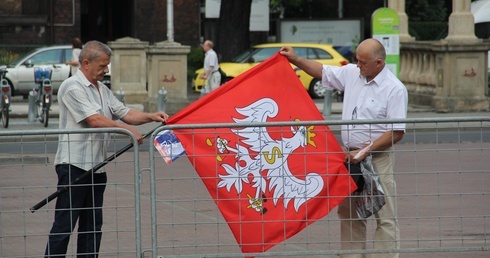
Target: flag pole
{"points": [[84, 175]]}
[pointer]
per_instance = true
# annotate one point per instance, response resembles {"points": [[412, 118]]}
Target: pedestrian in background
{"points": [[211, 67], [371, 91], [84, 102], [74, 62]]}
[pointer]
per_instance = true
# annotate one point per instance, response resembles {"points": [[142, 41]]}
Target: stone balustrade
{"points": [[447, 76]]}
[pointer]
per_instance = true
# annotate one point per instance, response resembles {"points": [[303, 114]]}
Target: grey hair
{"points": [[379, 51], [209, 43], [92, 50]]}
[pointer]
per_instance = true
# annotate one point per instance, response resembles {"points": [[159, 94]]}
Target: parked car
{"points": [[346, 51], [20, 75], [322, 53]]}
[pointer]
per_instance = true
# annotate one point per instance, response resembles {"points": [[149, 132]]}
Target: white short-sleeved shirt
{"points": [[74, 57], [79, 99], [211, 59], [384, 97]]}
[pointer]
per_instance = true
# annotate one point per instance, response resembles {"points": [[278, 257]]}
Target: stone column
{"points": [[455, 79], [462, 74], [399, 7], [128, 68], [461, 22], [167, 68]]}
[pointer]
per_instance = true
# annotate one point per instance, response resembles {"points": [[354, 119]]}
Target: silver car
{"points": [[20, 73]]}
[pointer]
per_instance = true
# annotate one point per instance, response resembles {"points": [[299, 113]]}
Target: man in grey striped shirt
{"points": [[84, 102]]}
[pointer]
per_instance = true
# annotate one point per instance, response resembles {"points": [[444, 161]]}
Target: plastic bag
{"points": [[372, 197]]}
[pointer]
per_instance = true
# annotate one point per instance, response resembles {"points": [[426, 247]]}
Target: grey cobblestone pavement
{"points": [[182, 167]]}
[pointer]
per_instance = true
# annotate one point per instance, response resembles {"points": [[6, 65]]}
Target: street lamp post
{"points": [[170, 20]]}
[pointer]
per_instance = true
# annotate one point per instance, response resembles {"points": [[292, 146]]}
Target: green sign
{"points": [[385, 24]]}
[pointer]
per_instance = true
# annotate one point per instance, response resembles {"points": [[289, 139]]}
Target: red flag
{"points": [[268, 182]]}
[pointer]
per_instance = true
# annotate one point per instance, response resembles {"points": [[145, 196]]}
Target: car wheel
{"points": [[316, 89], [12, 93]]}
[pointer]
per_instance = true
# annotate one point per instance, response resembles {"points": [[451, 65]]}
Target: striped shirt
{"points": [[79, 99]]}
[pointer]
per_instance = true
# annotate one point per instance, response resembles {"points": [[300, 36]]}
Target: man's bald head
{"points": [[372, 48], [371, 56]]}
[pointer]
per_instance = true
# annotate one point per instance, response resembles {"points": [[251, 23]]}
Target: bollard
{"points": [[327, 103], [162, 99], [31, 116], [120, 95]]}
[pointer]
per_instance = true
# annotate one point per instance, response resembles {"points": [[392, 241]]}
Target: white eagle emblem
{"points": [[271, 156]]}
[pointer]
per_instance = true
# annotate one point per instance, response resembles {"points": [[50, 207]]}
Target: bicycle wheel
{"points": [[5, 116], [40, 109], [46, 116]]}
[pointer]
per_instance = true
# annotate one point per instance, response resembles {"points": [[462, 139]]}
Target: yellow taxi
{"points": [[322, 53]]}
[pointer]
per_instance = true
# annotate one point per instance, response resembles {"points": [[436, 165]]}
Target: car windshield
{"points": [[243, 56], [255, 55], [51, 56], [18, 60], [263, 54]]}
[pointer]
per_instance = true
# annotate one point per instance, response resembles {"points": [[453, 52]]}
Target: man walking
{"points": [[211, 67]]}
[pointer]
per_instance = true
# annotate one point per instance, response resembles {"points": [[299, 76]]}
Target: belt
{"points": [[374, 154], [215, 71]]}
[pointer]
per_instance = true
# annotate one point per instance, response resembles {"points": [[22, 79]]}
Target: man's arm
{"points": [[100, 121], [206, 74], [135, 117], [385, 141], [311, 67]]}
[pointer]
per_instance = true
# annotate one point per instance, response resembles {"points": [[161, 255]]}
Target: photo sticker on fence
{"points": [[168, 145]]}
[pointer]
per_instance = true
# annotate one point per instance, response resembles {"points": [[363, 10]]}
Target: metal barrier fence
{"points": [[28, 176], [443, 185], [164, 210]]}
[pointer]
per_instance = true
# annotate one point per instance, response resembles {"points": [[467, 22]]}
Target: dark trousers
{"points": [[83, 202]]}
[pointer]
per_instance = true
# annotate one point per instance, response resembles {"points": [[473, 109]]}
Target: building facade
{"points": [[48, 22]]}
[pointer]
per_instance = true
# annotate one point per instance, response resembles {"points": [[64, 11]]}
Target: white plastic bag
{"points": [[372, 198]]}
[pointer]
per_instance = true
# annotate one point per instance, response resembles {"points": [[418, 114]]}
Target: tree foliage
{"points": [[427, 19], [301, 9], [425, 10], [233, 25]]}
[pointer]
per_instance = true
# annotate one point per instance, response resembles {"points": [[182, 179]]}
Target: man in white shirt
{"points": [[84, 102], [371, 91], [74, 62], [211, 67]]}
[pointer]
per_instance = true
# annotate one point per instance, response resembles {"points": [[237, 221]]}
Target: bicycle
{"points": [[42, 77], [5, 101]]}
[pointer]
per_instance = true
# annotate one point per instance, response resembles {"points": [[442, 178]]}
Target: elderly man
{"points": [[84, 102], [211, 67], [371, 91]]}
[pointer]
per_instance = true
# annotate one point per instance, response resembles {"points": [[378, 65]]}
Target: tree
{"points": [[428, 19], [425, 10], [233, 28]]}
